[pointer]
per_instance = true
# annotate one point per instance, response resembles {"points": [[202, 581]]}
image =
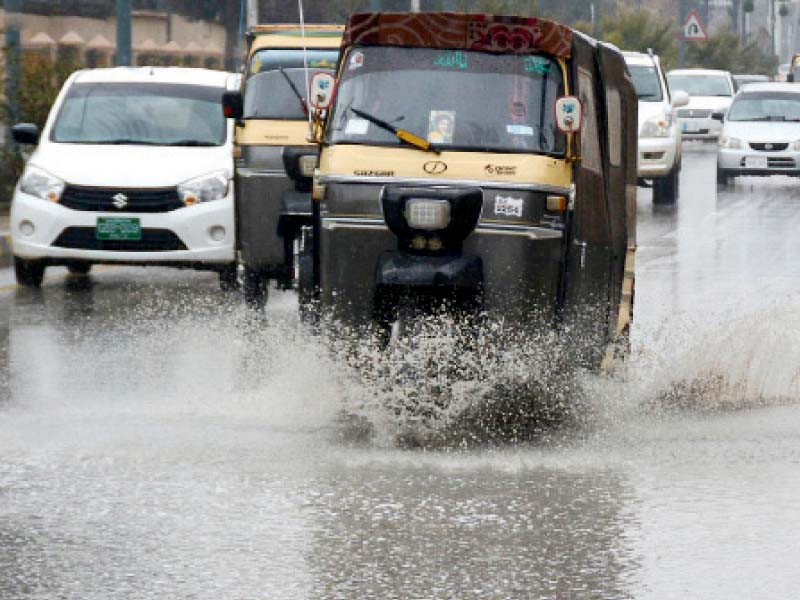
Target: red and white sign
{"points": [[693, 30]]}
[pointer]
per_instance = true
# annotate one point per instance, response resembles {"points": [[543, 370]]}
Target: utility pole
{"points": [[123, 33], [414, 6], [375, 5], [593, 11], [13, 58], [682, 43]]}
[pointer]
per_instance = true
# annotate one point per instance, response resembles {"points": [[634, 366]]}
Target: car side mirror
{"points": [[569, 114], [718, 116], [679, 98], [790, 77], [233, 105], [25, 133]]}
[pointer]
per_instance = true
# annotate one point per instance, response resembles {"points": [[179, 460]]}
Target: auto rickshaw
{"points": [[481, 162], [274, 158]]}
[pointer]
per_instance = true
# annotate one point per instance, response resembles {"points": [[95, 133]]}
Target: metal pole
{"points": [[123, 33], [13, 59], [375, 5], [682, 42], [414, 6], [593, 10], [252, 13]]}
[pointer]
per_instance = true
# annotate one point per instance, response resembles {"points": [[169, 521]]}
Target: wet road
{"points": [[157, 443]]}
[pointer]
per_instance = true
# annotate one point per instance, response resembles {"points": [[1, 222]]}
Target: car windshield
{"points": [[464, 100], [768, 106], [156, 114], [646, 82], [276, 80], [700, 84]]}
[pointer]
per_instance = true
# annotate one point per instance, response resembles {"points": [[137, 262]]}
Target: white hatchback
{"points": [[133, 166]]}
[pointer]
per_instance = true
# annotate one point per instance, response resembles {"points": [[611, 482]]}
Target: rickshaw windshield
{"points": [[457, 100]]}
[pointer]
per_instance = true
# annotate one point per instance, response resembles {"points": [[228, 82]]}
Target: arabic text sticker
{"points": [[441, 124], [356, 60], [536, 64], [356, 127], [508, 206], [519, 129], [452, 60]]}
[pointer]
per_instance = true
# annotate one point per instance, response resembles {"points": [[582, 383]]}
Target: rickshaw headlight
{"points": [[306, 165], [428, 215]]}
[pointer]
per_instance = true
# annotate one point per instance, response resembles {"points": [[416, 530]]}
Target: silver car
{"points": [[760, 132]]}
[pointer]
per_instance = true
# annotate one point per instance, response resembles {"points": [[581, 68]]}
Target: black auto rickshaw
{"points": [[479, 162]]}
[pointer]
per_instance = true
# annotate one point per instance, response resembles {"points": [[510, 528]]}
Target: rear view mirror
{"points": [[679, 98], [322, 89], [718, 116], [232, 105], [25, 133], [569, 114]]}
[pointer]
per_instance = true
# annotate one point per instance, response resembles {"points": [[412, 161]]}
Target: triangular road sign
{"points": [[693, 29]]}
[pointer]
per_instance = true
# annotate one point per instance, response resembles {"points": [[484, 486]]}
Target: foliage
{"points": [[640, 30], [723, 50]]}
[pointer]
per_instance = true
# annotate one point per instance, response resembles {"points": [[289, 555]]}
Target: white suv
{"points": [[659, 157], [132, 167]]}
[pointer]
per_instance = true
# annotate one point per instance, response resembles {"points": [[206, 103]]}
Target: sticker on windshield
{"points": [[255, 66], [519, 129], [321, 63], [356, 127], [441, 124], [452, 60], [536, 64], [356, 60], [508, 206]]}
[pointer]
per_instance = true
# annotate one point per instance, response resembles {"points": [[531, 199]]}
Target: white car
{"points": [[659, 156], [761, 132], [709, 91], [133, 166]]}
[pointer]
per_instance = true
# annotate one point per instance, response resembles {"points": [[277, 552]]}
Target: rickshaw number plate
{"points": [[755, 162], [115, 228], [690, 127]]}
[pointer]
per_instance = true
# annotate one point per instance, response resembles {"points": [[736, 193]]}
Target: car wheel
{"points": [[255, 288], [723, 178], [79, 268], [665, 189], [29, 273], [228, 277]]}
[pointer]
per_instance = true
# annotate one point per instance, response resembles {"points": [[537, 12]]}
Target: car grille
{"points": [[767, 147], [153, 240], [779, 162], [694, 113], [152, 200]]}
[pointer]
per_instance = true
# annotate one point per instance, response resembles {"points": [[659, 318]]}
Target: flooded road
{"points": [[156, 442]]}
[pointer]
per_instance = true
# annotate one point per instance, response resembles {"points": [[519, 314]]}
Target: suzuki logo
{"points": [[435, 167], [120, 201], [767, 146]]}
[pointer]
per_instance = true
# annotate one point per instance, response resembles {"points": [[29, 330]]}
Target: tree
{"points": [[640, 30], [725, 51]]}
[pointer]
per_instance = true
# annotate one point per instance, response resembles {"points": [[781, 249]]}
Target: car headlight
{"points": [[38, 182], [796, 145], [657, 126], [730, 142], [207, 188]]}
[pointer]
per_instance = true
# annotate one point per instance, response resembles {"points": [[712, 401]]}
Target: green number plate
{"points": [[116, 228]]}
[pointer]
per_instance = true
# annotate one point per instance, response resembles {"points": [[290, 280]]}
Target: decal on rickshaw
{"points": [[452, 60], [441, 124]]}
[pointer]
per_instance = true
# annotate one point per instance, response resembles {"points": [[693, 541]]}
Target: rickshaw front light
{"points": [[556, 203], [306, 165], [318, 191], [428, 215]]}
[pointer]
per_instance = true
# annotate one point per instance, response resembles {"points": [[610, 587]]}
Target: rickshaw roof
{"points": [[459, 31], [289, 35]]}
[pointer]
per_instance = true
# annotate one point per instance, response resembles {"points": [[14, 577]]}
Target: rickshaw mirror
{"points": [[322, 87], [569, 114]]}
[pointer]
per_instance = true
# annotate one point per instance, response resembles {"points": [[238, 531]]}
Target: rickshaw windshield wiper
{"points": [[402, 135], [295, 90]]}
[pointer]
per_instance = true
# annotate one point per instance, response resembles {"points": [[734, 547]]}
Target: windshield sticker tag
{"points": [[356, 127], [441, 124], [536, 64], [508, 206], [452, 60], [519, 129], [356, 61]]}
